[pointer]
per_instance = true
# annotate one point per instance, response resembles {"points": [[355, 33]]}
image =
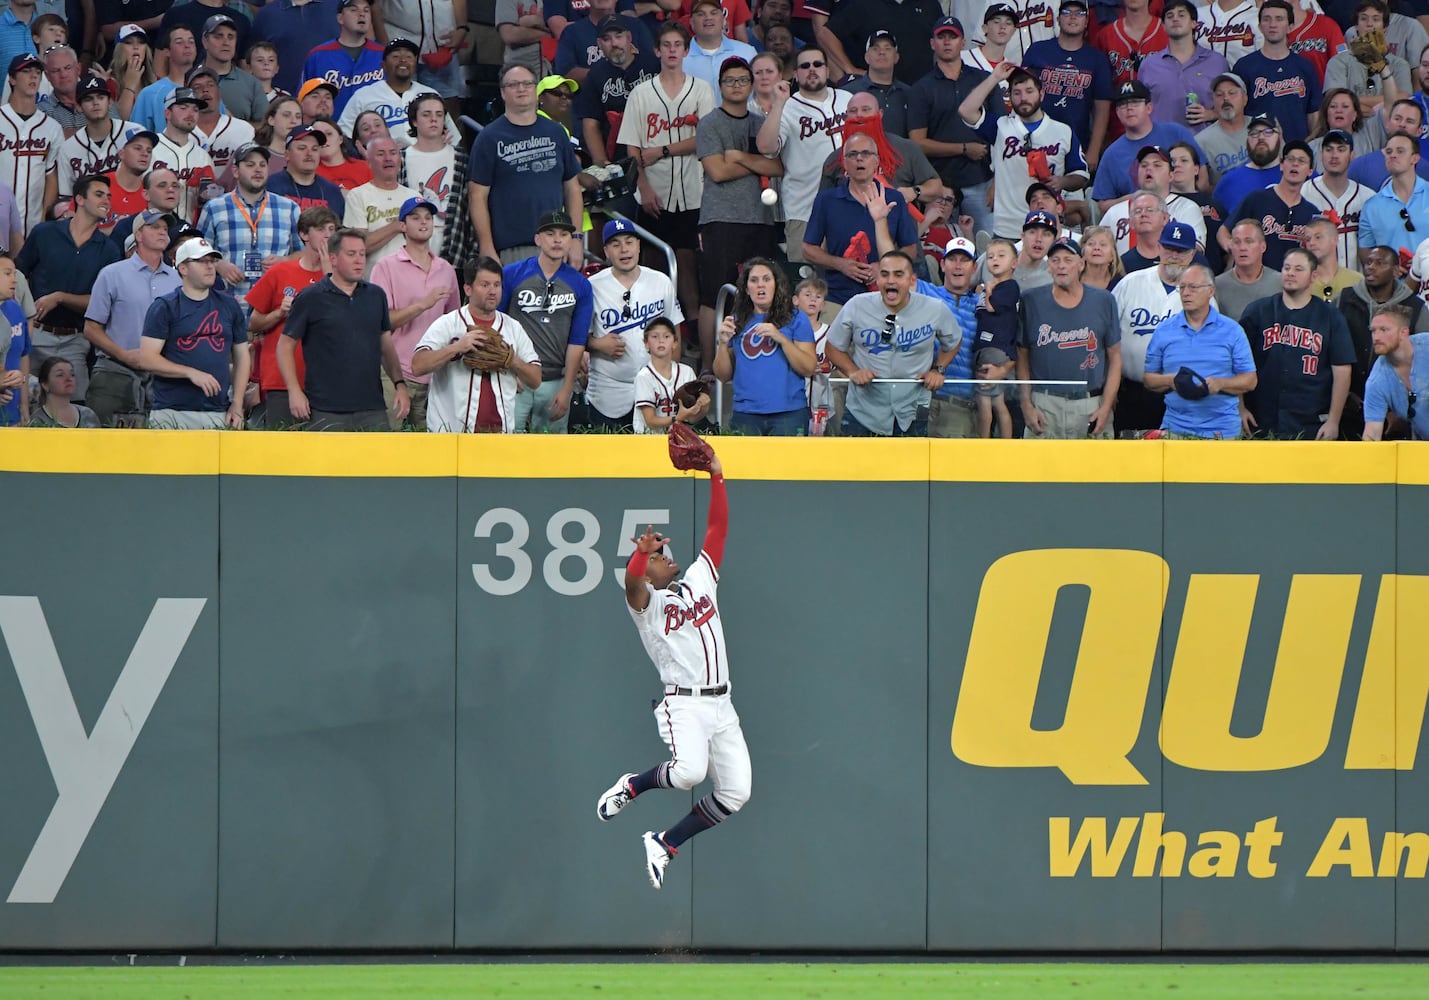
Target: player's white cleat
{"points": [[616, 798], [657, 856]]}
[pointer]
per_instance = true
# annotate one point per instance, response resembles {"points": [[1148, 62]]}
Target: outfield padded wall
{"points": [[390, 675]]}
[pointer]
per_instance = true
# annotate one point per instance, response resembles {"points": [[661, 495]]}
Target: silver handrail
{"points": [[721, 301], [650, 237], [973, 381]]}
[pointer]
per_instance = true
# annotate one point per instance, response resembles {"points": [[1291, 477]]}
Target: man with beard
{"points": [[1282, 83], [1379, 290], [1076, 79], [1396, 383], [1069, 332], [1027, 145], [1397, 215], [600, 103], [1248, 278], [1263, 170], [1181, 69], [1303, 359], [803, 129], [1281, 210], [1144, 300], [1224, 140], [578, 48], [1338, 198]]}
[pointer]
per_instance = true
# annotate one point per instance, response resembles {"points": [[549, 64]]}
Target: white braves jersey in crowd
{"points": [[228, 134], [1118, 220], [681, 629], [808, 132], [80, 154], [29, 150], [654, 118], [454, 393], [657, 392], [611, 389], [193, 165], [817, 384], [1233, 33], [1345, 210], [392, 106], [1418, 277], [973, 56], [1036, 20], [1011, 175], [1143, 301]]}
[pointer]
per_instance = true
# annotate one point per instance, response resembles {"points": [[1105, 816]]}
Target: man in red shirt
{"points": [[271, 297], [1126, 40], [1315, 37], [126, 183]]}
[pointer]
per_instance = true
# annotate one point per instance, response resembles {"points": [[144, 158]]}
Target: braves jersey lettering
{"points": [[682, 631], [1291, 87], [1082, 338], [655, 124], [24, 147], [831, 126], [1222, 35], [352, 81], [699, 613], [1275, 229], [1017, 147], [1288, 335]]}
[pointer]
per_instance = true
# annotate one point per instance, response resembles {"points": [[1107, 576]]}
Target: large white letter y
{"points": [[85, 766]]}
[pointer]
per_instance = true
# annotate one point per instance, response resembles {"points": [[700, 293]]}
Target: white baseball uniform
{"points": [[454, 393], [29, 151], [1345, 210], [654, 118], [228, 134], [1009, 149], [1418, 277], [193, 165], [1036, 20], [1143, 300], [1118, 220], [1233, 33], [612, 380], [657, 392], [80, 154], [808, 133]]}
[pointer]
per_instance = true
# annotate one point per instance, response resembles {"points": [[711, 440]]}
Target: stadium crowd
{"points": [[952, 218]]}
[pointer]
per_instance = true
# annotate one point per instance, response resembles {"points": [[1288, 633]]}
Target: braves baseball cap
{"points": [[555, 220], [25, 61], [219, 21], [1044, 219], [1269, 121], [1233, 78], [1133, 90], [1178, 236], [1066, 243], [198, 249], [312, 85], [131, 31], [949, 23], [183, 95], [91, 84], [881, 35], [142, 133], [1146, 151], [613, 23], [302, 132], [411, 205], [1171, 5], [1338, 136], [553, 81], [961, 244], [248, 149], [401, 43], [999, 10], [615, 227]]}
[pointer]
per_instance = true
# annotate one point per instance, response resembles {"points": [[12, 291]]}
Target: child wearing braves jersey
{"points": [[680, 628], [809, 297], [655, 405], [996, 345]]}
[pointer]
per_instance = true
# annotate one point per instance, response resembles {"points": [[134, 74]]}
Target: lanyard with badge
{"points": [[253, 259]]}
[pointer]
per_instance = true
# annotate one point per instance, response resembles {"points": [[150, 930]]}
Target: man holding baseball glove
{"points": [[476, 357]]}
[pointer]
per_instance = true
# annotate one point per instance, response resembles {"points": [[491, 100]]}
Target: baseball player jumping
{"points": [[678, 621]]}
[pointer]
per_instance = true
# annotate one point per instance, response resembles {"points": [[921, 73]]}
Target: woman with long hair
{"points": [[56, 390], [368, 126], [344, 171], [1104, 268], [1340, 109], [767, 347], [284, 114], [131, 68]]}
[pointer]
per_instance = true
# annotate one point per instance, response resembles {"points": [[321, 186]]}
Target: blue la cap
{"points": [[1178, 236], [1044, 219], [615, 227]]}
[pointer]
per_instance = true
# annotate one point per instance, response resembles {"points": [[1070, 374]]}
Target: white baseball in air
{"points": [[769, 196]]}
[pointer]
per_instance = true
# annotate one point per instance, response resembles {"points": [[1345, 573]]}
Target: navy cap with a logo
{"points": [[1044, 219], [949, 24], [1178, 236]]}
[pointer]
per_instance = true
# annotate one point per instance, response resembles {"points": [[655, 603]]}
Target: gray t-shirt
{"points": [[1069, 344], [1233, 295], [510, 12], [921, 330], [1224, 150], [736, 200]]}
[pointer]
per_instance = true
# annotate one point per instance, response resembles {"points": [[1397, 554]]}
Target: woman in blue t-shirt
{"points": [[767, 346]]}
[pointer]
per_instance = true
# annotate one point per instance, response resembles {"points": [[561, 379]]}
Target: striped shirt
{"points": [[272, 232]]}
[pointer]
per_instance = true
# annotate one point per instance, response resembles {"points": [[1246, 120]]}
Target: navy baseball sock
{"points": [[647, 780], [706, 813]]}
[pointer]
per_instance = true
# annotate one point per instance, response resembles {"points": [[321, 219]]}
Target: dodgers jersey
{"points": [[681, 630], [611, 389], [1143, 301]]}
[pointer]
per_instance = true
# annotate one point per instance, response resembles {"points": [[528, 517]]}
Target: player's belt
{"points": [[59, 331], [697, 692]]}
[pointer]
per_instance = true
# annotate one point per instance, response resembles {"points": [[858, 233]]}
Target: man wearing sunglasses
{"points": [[1400, 376], [1397, 215]]}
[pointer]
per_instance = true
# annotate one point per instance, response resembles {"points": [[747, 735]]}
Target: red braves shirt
{"points": [[1317, 38]]}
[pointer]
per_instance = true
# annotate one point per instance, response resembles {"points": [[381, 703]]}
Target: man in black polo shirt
{"points": [[61, 260], [908, 21], [346, 333]]}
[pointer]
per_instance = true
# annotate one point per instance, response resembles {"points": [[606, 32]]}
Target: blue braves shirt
{"points": [[577, 47], [331, 62], [763, 380], [1115, 174], [1071, 82], [1287, 88], [199, 334], [19, 347]]}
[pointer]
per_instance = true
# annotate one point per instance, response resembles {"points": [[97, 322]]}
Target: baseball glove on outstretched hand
{"points": [[688, 450], [492, 354], [689, 394]]}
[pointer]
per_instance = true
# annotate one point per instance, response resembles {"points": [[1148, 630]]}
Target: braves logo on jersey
{"points": [[655, 124], [1288, 335], [700, 611], [96, 161], [832, 125], [438, 185], [1225, 35], [1082, 338], [755, 345], [210, 329], [1015, 147], [1293, 86]]}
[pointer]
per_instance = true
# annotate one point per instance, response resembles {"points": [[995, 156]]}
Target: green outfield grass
{"points": [[667, 978]]}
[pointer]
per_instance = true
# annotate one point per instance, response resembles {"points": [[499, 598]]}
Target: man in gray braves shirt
{"points": [[891, 333], [1070, 332]]}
